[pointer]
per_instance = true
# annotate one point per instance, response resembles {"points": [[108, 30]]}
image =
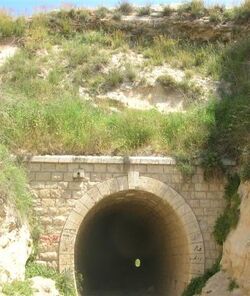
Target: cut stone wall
{"points": [[59, 181]]}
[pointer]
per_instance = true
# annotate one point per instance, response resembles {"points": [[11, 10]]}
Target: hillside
{"points": [[127, 81], [76, 87]]}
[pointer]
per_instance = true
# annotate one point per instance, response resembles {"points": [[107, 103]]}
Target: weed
{"points": [[167, 81], [196, 8], [130, 131], [125, 8], [186, 87], [117, 16], [185, 165], [64, 281], [101, 12], [230, 216], [216, 13], [196, 284], [145, 10], [18, 288], [162, 47], [114, 78], [10, 27], [232, 285], [129, 73], [13, 183], [167, 10]]}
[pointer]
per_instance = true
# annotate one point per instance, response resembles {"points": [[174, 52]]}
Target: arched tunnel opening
{"points": [[131, 244]]}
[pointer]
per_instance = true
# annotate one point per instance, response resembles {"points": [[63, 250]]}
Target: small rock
{"points": [[43, 286]]}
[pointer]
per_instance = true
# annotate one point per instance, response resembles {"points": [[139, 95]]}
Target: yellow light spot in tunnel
{"points": [[137, 262]]}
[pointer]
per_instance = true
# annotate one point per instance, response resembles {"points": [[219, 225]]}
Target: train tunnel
{"points": [[131, 244]]}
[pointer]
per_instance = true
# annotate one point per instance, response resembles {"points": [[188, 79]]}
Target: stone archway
{"points": [[153, 207]]}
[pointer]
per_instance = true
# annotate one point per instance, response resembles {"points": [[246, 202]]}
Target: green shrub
{"points": [[145, 10], [243, 12], [167, 81], [101, 12], [114, 78], [129, 130], [196, 8], [10, 27], [13, 186], [167, 10], [186, 133], [232, 285], [216, 13], [125, 8], [185, 165], [64, 281], [117, 16], [186, 87], [230, 216], [161, 48], [18, 288], [196, 284]]}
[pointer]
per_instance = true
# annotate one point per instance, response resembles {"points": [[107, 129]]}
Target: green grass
{"points": [[229, 219], [64, 281], [186, 87], [145, 10], [201, 58], [40, 94], [125, 8], [10, 27], [196, 284], [232, 285], [196, 8], [69, 125], [13, 186], [18, 288]]}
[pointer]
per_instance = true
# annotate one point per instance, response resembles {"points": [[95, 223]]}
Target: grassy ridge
{"points": [[13, 188], [42, 112], [70, 125]]}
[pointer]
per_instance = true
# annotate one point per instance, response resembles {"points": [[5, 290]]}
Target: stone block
{"points": [[34, 167], [59, 220], [155, 169], [48, 167], [75, 185], [57, 176], [114, 168], [48, 256], [43, 176], [62, 167], [100, 168], [48, 202], [205, 203], [88, 167], [201, 186]]}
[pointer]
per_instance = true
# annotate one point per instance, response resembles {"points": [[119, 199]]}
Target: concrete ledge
{"points": [[167, 160]]}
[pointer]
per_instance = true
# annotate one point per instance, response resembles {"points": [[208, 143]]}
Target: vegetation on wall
{"points": [[13, 186], [42, 111], [40, 95], [63, 281], [229, 218], [196, 284]]}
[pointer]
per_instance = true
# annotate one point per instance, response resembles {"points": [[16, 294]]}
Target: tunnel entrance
{"points": [[131, 244]]}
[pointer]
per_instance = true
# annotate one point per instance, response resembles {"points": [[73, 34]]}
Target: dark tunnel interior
{"points": [[121, 250]]}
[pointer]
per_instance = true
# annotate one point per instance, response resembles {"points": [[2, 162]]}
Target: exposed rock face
{"points": [[15, 245], [43, 286], [195, 29], [236, 250], [218, 285]]}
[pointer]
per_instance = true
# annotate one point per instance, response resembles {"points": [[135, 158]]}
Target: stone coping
{"points": [[167, 160]]}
